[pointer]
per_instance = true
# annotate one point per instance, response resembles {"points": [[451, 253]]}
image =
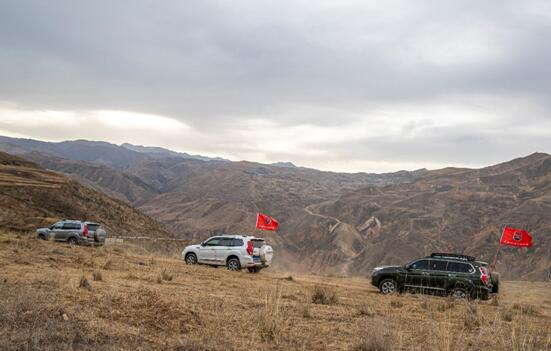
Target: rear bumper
{"points": [[248, 261]]}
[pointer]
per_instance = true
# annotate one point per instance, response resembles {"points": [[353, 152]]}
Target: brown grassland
{"points": [[120, 297]]}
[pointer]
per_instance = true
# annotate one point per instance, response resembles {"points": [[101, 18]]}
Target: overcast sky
{"points": [[336, 85]]}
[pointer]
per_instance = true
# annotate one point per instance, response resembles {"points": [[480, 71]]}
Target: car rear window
{"points": [[258, 242]]}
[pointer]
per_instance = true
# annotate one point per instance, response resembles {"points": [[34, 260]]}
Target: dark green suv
{"points": [[446, 274]]}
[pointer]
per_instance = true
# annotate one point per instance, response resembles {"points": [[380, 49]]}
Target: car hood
{"points": [[385, 268], [193, 247], [42, 230]]}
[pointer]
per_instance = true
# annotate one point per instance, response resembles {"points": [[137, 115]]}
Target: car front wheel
{"points": [[233, 264], [388, 286], [191, 258], [72, 241]]}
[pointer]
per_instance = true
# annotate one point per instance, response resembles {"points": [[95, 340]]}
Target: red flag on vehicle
{"points": [[516, 237], [265, 222]]}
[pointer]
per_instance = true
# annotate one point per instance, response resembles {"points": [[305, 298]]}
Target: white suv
{"points": [[233, 251]]}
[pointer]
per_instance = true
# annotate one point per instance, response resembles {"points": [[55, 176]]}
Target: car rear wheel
{"points": [[388, 286], [233, 264], [191, 258], [459, 293], [72, 241], [254, 269]]}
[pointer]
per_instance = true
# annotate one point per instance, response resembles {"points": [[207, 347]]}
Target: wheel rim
{"points": [[387, 287], [459, 294], [190, 259], [233, 265]]}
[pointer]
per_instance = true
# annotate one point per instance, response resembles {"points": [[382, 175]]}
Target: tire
{"points": [[72, 241], [41, 237], [254, 269], [191, 258], [233, 264], [460, 293], [388, 286], [495, 282]]}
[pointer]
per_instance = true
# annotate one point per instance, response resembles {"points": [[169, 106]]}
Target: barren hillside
{"points": [[31, 197]]}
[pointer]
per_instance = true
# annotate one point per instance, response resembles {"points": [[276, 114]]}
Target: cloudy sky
{"points": [[338, 85]]}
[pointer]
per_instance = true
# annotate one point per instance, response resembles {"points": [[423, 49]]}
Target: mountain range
{"points": [[338, 223]]}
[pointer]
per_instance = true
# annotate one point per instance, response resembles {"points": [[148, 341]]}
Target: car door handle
{"points": [[425, 273], [452, 275]]}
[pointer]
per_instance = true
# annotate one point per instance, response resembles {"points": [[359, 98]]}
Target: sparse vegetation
{"points": [[84, 284], [165, 275], [208, 309], [97, 276], [324, 296], [377, 338]]}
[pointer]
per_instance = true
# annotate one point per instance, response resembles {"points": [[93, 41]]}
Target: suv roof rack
{"points": [[454, 256]]}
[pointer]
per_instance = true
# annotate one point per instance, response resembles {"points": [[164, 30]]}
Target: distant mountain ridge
{"points": [[159, 152]]}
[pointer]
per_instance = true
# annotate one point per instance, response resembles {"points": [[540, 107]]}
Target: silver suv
{"points": [[74, 232], [233, 251]]}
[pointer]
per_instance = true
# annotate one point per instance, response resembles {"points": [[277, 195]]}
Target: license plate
{"points": [[256, 258]]}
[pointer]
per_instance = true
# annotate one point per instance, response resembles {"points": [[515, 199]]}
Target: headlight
{"points": [[377, 269]]}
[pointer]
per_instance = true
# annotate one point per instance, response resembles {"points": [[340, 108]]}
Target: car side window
{"points": [[237, 242], [58, 225], [421, 264], [459, 267], [226, 242], [437, 265], [213, 242], [69, 226]]}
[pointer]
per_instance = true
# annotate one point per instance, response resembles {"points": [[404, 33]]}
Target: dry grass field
{"points": [[56, 297]]}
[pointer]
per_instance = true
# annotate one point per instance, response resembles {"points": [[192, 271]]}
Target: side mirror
{"points": [[203, 244], [407, 267]]}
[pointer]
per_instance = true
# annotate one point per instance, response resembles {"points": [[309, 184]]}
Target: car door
{"points": [[56, 231], [207, 253], [418, 274], [223, 250], [438, 276], [69, 229], [458, 272]]}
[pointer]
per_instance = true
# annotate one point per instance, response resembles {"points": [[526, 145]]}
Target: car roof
{"points": [[235, 236]]}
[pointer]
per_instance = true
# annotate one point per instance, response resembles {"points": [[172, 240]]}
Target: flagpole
{"points": [[493, 266], [494, 262]]}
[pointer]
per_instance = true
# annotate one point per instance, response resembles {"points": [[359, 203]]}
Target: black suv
{"points": [[447, 274]]}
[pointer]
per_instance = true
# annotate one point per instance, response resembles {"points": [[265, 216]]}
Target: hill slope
{"points": [[31, 197], [56, 297]]}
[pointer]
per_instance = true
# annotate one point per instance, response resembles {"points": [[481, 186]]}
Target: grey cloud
{"points": [[216, 63]]}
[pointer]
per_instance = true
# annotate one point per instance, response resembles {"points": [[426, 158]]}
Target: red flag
{"points": [[265, 222], [516, 237]]}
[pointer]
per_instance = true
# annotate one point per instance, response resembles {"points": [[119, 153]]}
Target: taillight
{"points": [[250, 248], [85, 230], [484, 275]]}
